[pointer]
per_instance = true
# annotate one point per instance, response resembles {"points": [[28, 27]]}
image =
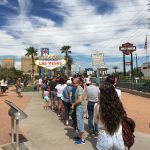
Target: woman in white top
{"points": [[2, 86], [5, 85], [60, 87], [109, 113]]}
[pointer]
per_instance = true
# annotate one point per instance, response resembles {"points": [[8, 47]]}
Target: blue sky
{"points": [[86, 25]]}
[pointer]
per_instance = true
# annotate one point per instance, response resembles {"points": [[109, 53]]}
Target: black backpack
{"points": [[128, 126]]}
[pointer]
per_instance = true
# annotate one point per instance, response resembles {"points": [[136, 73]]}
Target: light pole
{"points": [[136, 64], [79, 69]]}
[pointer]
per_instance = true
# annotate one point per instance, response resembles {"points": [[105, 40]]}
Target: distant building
{"points": [[26, 65], [89, 71], [8, 63], [145, 69]]}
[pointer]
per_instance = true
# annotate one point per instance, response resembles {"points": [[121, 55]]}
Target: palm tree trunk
{"points": [[69, 70], [67, 67], [39, 70], [32, 66], [54, 72]]}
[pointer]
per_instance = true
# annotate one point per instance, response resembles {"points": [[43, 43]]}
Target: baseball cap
{"points": [[69, 82]]}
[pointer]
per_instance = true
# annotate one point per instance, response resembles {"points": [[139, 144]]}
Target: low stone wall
{"points": [[139, 93]]}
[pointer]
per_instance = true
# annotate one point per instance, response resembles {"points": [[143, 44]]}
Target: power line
{"points": [[89, 13], [71, 42], [73, 28], [82, 32], [85, 23], [93, 5], [134, 18]]}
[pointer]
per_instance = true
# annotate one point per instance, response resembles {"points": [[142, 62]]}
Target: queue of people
{"points": [[104, 108]]}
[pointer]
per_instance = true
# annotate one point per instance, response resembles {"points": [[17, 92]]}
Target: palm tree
{"points": [[31, 51], [68, 58], [69, 63], [115, 68]]}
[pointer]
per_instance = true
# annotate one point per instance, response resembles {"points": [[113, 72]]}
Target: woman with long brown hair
{"points": [[109, 113]]}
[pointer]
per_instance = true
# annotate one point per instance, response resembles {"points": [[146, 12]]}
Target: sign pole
{"points": [[97, 71], [131, 65], [12, 130], [124, 67]]}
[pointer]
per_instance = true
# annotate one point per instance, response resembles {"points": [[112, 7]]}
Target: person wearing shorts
{"points": [[53, 93], [108, 114], [60, 87], [47, 99], [80, 109]]}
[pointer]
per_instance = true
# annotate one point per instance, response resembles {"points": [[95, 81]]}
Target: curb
{"points": [[134, 92]]}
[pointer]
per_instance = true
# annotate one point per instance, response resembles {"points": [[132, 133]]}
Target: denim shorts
{"points": [[80, 118], [53, 95]]}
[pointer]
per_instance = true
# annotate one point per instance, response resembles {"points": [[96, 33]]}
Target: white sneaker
{"points": [[67, 122]]}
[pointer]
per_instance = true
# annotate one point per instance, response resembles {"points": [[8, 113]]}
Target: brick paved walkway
{"points": [[4, 118], [138, 108]]}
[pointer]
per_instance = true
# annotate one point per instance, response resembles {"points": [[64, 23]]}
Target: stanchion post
{"points": [[12, 130], [17, 134]]}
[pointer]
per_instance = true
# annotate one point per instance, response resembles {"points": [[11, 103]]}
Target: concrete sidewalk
{"points": [[45, 131]]}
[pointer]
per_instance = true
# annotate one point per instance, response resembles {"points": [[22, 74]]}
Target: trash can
{"points": [[16, 114]]}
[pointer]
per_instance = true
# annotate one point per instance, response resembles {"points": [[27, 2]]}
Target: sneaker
{"points": [[67, 123], [77, 138], [95, 133], [90, 132], [79, 142]]}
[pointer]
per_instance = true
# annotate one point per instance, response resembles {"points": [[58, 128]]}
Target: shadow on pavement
{"points": [[22, 138], [71, 133], [92, 140]]}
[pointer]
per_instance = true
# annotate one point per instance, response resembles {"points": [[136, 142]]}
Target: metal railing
{"points": [[138, 85]]}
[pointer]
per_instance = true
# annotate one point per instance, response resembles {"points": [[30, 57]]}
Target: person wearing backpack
{"points": [[109, 114], [66, 95]]}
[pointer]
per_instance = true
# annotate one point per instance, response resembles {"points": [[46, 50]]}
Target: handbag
{"points": [[128, 126]]}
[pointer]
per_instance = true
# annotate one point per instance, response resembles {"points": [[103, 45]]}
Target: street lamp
{"points": [[79, 69], [136, 64]]}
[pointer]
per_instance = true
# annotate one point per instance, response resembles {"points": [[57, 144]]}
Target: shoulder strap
{"points": [[67, 91]]}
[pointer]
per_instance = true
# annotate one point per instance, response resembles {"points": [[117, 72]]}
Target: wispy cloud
{"points": [[3, 2], [86, 26], [24, 6]]}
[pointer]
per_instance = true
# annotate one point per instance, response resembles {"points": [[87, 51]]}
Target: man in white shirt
{"points": [[93, 93]]}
